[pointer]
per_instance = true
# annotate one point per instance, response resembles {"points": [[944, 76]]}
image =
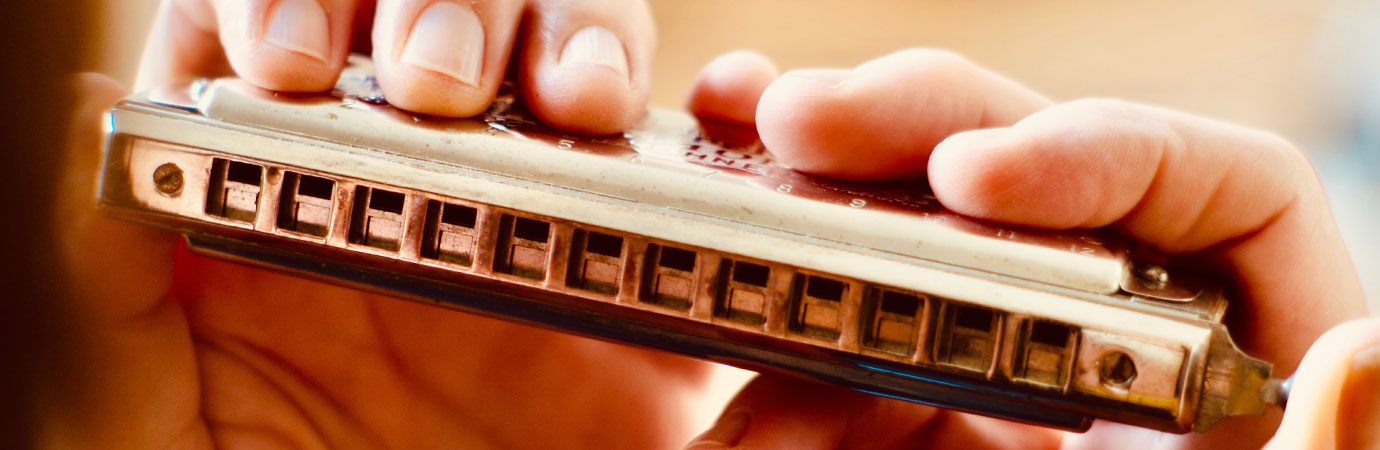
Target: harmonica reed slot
{"points": [[668, 278], [891, 321], [596, 262], [967, 337], [305, 204], [1044, 352], [449, 233], [742, 293], [376, 219], [523, 246], [233, 192], [816, 307]]}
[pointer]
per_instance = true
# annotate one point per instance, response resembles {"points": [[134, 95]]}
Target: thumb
{"points": [[104, 258], [125, 377], [1335, 399]]}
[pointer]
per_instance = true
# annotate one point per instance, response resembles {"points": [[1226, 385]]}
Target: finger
{"points": [[287, 45], [586, 65], [1335, 398], [881, 119], [443, 57], [784, 413], [125, 377], [729, 87], [1181, 184]]}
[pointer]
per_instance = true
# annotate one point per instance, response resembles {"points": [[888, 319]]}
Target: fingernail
{"points": [[300, 26], [447, 38], [596, 46], [725, 433]]}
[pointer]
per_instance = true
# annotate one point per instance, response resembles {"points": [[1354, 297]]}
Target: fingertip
{"points": [[1082, 164], [443, 58], [1322, 411], [586, 65], [283, 70], [423, 91], [880, 120], [584, 97], [95, 90], [730, 86], [962, 174], [293, 45], [814, 122], [726, 432], [123, 260]]}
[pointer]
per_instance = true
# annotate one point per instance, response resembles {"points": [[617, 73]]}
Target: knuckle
{"points": [[1292, 160]]}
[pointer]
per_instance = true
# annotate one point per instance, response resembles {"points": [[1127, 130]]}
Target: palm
{"points": [[282, 358]]}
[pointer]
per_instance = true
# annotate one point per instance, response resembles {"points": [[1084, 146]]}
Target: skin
{"points": [[1198, 190], [166, 349], [171, 350]]}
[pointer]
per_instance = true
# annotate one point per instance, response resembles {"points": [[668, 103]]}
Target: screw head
{"points": [[1152, 276], [1117, 370], [168, 179]]}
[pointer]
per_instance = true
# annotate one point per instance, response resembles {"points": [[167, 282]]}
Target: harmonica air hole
{"points": [[233, 192], [900, 304], [668, 277], [824, 288], [973, 318], [890, 321], [596, 262], [674, 258], [385, 201], [315, 187], [456, 215], [532, 230], [522, 247], [243, 173], [376, 219], [742, 293], [305, 206], [448, 232], [1049, 333], [750, 274], [1044, 353], [967, 337], [815, 306], [603, 244]]}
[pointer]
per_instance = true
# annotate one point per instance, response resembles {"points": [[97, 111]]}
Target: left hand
{"points": [[167, 349]]}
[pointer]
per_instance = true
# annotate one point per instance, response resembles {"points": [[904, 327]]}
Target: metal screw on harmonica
{"points": [[683, 235], [1152, 276], [167, 179]]}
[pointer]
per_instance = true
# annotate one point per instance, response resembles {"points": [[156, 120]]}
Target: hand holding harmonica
{"points": [[242, 355], [1183, 185]]}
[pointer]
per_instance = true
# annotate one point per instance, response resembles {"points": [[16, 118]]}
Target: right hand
{"points": [[1198, 189]]}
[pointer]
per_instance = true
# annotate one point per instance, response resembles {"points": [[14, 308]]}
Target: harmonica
{"points": [[682, 234]]}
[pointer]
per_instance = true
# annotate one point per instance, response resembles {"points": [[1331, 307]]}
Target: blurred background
{"points": [[1308, 70]]}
